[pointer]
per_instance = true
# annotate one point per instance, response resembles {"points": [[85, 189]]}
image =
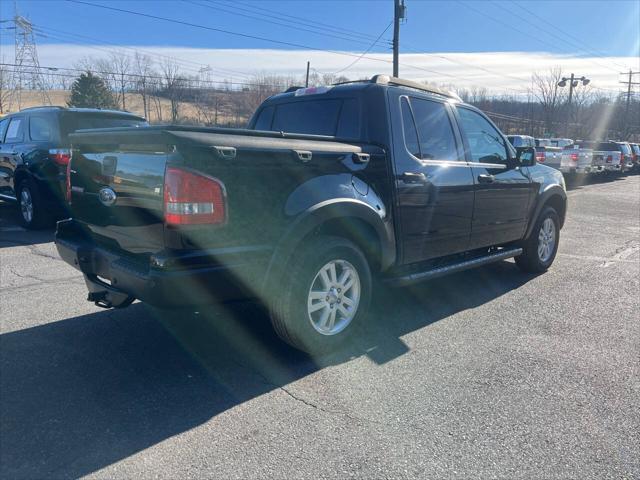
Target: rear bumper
{"points": [[578, 169], [178, 280]]}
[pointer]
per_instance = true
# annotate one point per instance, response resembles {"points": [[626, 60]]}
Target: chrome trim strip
{"points": [[8, 197]]}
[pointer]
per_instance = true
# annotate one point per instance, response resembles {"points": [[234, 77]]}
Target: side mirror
{"points": [[526, 156]]}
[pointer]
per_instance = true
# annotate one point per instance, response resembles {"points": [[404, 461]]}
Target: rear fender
{"points": [[315, 216]]}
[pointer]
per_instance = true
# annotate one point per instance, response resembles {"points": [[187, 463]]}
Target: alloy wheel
{"points": [[26, 205], [546, 240], [334, 297]]}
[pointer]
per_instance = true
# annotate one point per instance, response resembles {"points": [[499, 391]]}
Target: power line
{"points": [[561, 30], [508, 25], [120, 49], [316, 24], [47, 29], [216, 7], [244, 35], [365, 52], [54, 71], [553, 34]]}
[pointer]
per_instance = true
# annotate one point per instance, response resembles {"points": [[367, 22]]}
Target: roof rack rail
{"points": [[43, 107], [387, 80], [293, 88]]}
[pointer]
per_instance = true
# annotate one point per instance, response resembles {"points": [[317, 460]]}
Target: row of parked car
{"points": [[580, 157]]}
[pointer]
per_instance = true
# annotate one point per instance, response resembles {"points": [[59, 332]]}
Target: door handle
{"points": [[485, 178], [413, 177]]}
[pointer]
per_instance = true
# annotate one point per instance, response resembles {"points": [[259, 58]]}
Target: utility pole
{"points": [[573, 82], [626, 111], [306, 82], [398, 14]]}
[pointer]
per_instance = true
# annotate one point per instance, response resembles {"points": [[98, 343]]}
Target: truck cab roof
{"points": [[350, 111], [48, 109], [379, 81]]}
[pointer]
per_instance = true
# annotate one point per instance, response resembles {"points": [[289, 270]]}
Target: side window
{"points": [[3, 128], [409, 128], [39, 129], [435, 133], [14, 131], [485, 142], [264, 119]]}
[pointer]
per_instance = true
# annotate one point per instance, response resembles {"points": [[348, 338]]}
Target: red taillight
{"points": [[62, 156], [191, 198], [540, 156], [574, 157], [68, 182]]}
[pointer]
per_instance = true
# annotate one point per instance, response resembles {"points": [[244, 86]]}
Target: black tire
{"points": [[38, 217], [530, 260], [289, 306]]}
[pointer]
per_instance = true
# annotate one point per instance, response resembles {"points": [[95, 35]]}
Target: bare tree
{"points": [[115, 70], [173, 86], [143, 69], [550, 95], [155, 99]]}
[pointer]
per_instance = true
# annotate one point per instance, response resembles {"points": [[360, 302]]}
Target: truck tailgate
{"points": [[116, 191]]}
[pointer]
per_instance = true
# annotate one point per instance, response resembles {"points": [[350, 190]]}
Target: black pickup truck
{"points": [[328, 188]]}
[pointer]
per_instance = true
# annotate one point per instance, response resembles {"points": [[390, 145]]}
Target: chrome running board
{"points": [[455, 267]]}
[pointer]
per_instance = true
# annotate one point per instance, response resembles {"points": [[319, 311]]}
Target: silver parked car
{"points": [[547, 153], [576, 159], [606, 156]]}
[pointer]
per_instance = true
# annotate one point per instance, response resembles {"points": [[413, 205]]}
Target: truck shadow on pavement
{"points": [[79, 394], [11, 234]]}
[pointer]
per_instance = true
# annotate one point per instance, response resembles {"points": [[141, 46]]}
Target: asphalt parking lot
{"points": [[488, 373]]}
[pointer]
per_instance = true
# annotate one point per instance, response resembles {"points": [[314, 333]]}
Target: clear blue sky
{"points": [[609, 27]]}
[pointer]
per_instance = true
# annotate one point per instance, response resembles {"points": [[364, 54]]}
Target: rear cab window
{"points": [[335, 117]]}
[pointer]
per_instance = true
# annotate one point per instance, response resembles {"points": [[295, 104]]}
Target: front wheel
{"points": [[539, 250], [324, 295]]}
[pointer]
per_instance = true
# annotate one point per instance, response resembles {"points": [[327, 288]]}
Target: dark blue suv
{"points": [[35, 153]]}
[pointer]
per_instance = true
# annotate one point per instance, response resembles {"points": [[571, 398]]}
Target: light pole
{"points": [[573, 83]]}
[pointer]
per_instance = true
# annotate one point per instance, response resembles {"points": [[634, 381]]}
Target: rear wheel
{"points": [[539, 250], [32, 212], [324, 295]]}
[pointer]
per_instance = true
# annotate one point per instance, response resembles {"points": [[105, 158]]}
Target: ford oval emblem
{"points": [[107, 196]]}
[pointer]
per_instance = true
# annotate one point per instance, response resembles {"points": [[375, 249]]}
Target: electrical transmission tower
{"points": [[27, 74]]}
